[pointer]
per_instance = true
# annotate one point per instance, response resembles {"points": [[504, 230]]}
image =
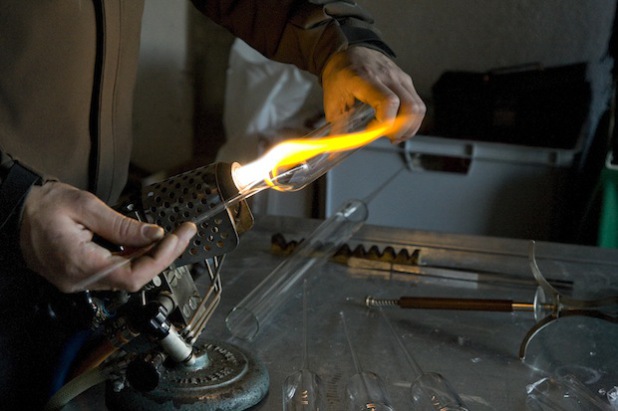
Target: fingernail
{"points": [[192, 230], [153, 232]]}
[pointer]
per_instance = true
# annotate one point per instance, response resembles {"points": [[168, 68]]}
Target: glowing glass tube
{"points": [[253, 312], [294, 163]]}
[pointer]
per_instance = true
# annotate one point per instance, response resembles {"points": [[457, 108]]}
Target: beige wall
{"points": [[163, 109]]}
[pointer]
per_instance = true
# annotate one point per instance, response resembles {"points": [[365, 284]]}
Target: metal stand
{"points": [[219, 376], [224, 378]]}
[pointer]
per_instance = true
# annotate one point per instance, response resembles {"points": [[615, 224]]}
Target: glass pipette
{"points": [[430, 391], [304, 389], [365, 390]]}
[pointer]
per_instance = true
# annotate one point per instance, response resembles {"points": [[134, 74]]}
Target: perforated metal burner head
{"points": [[187, 197]]}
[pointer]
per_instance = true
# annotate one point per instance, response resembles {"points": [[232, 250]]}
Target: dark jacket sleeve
{"points": [[300, 32], [15, 183]]}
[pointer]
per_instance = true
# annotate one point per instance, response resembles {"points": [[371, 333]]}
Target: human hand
{"points": [[369, 76], [56, 239]]}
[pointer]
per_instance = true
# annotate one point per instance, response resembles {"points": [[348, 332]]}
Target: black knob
{"points": [[144, 374]]}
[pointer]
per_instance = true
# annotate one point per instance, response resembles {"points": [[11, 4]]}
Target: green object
{"points": [[608, 225]]}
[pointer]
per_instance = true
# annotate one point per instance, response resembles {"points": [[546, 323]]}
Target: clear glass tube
{"points": [[292, 164], [366, 391], [251, 315], [304, 391]]}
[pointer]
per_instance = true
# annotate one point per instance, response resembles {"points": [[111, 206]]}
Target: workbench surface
{"points": [[476, 351]]}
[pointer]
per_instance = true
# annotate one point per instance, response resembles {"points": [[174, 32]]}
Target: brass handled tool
{"points": [[438, 303], [548, 306]]}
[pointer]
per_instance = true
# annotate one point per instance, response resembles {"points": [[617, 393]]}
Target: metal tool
{"points": [[548, 306], [551, 305], [403, 264], [461, 304]]}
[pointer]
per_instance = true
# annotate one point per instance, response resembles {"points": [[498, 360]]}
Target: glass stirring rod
{"points": [[430, 391], [304, 389], [365, 390]]}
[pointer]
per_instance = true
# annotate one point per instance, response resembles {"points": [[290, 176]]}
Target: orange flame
{"points": [[293, 152]]}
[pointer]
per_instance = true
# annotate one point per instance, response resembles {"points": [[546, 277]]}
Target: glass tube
{"points": [[366, 391], [304, 391], [251, 315]]}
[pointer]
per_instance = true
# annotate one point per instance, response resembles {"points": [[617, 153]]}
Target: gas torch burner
{"points": [[149, 354]]}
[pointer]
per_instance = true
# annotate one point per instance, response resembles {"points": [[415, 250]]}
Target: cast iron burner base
{"points": [[224, 378]]}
